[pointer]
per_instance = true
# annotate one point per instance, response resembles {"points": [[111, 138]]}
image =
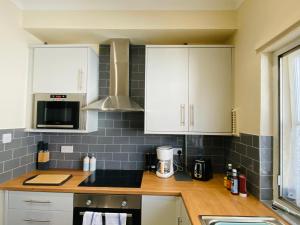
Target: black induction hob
{"points": [[114, 178]]}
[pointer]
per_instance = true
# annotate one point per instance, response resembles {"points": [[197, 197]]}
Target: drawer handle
{"points": [[39, 202], [37, 221]]}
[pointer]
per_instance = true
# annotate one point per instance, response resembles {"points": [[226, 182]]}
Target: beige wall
{"points": [[141, 27], [136, 20], [259, 21], [13, 66]]}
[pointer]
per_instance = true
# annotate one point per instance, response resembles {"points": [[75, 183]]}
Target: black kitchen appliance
{"points": [[129, 204], [202, 170], [58, 111], [114, 178], [150, 161]]}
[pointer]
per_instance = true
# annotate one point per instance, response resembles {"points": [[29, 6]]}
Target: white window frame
{"points": [[277, 163]]}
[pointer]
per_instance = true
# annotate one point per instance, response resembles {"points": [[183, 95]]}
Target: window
{"points": [[287, 156]]}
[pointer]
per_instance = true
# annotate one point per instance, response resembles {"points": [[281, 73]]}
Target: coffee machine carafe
{"points": [[165, 167]]}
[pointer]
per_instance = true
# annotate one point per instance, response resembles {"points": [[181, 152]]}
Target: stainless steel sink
{"points": [[238, 220]]}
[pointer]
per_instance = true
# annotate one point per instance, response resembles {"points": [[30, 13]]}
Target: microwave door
{"points": [[58, 114]]}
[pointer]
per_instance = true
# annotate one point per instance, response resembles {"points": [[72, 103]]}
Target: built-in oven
{"points": [[129, 204], [58, 111]]}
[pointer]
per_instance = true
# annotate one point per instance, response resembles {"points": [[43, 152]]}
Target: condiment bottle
{"points": [[243, 185], [93, 163], [234, 183], [229, 176], [225, 181], [86, 163]]}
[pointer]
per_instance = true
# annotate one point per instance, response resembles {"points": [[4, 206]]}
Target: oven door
{"points": [[133, 215], [57, 114]]}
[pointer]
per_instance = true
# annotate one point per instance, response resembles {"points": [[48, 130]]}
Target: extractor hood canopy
{"points": [[118, 99]]}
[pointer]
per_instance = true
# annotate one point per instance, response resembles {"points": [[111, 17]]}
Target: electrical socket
{"points": [[175, 151], [6, 138], [66, 149]]}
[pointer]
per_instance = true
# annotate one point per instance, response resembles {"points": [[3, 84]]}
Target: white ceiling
{"points": [[128, 4]]}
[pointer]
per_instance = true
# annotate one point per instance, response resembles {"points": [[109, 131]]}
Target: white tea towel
{"points": [[87, 218], [97, 219], [123, 218], [112, 218]]}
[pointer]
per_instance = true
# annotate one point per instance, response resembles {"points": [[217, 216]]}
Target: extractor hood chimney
{"points": [[118, 99]]}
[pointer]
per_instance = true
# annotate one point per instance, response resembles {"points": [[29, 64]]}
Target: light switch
{"points": [[67, 149], [6, 138]]}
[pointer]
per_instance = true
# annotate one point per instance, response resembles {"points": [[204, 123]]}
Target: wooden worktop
{"points": [[200, 198]]}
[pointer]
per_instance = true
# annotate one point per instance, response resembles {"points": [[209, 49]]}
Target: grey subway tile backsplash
{"points": [[17, 157], [253, 155]]}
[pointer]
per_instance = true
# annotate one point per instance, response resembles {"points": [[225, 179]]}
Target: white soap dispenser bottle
{"points": [[86, 163], [93, 163]]}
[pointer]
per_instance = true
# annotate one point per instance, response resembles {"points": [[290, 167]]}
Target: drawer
{"points": [[40, 201], [35, 217]]}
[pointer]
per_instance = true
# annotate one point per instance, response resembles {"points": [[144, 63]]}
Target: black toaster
{"points": [[202, 170]]}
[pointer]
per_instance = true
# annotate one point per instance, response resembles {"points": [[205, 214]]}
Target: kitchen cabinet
{"points": [[63, 69], [38, 207], [166, 90], [188, 90], [159, 210], [164, 210], [210, 90]]}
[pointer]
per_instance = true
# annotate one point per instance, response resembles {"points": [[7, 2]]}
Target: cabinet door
{"points": [[59, 70], [210, 90], [166, 90], [159, 210]]}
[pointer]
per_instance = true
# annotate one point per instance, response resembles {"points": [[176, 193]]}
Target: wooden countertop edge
{"points": [[94, 190]]}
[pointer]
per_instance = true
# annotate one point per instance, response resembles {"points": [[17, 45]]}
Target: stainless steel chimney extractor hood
{"points": [[118, 99]]}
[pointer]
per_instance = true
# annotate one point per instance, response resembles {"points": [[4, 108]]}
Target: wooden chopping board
{"points": [[48, 179]]}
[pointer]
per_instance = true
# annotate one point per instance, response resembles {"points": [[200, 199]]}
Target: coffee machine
{"points": [[165, 167]]}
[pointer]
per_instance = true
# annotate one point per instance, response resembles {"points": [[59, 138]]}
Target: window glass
{"points": [[290, 126]]}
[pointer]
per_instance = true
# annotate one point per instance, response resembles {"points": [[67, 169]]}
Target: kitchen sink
{"points": [[238, 220]]}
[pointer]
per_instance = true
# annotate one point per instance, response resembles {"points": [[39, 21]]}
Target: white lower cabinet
{"points": [[163, 210], [24, 217], [23, 208]]}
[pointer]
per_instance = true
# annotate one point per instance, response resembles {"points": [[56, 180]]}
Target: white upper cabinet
{"points": [[210, 90], [188, 90], [60, 69], [166, 93]]}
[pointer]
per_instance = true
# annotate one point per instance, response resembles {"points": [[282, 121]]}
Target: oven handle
{"points": [[82, 213]]}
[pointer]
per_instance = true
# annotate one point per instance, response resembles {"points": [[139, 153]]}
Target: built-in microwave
{"points": [[58, 111]]}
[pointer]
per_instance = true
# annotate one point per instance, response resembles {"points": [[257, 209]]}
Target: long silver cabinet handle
{"points": [[80, 76], [182, 115], [190, 116], [39, 202], [193, 115], [37, 221]]}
